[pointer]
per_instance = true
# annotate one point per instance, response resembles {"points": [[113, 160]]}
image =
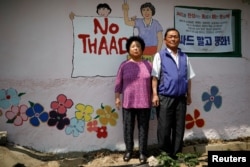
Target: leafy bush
{"points": [[189, 159]]}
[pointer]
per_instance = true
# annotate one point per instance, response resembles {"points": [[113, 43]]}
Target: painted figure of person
{"points": [[133, 82], [103, 9], [148, 28], [171, 86]]}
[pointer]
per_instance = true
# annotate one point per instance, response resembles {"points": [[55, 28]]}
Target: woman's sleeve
{"points": [[118, 81]]}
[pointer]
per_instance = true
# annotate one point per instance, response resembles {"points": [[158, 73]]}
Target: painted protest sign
{"points": [[99, 45]]}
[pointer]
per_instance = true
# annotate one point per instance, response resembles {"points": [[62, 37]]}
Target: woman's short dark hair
{"points": [[135, 38], [103, 5], [148, 4]]}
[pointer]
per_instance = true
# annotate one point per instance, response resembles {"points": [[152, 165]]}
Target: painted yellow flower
{"points": [[84, 112], [107, 115]]}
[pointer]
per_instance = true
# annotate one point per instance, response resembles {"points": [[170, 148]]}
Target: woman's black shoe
{"points": [[127, 156], [142, 159]]}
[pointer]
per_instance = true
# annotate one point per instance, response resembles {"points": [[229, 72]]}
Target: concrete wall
{"points": [[36, 49]]}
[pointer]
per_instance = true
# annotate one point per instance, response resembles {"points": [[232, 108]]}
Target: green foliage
{"points": [[189, 159], [20, 94], [167, 161]]}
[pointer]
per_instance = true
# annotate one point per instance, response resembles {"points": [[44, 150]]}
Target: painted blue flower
{"points": [[36, 113], [8, 98], [212, 98], [76, 126]]}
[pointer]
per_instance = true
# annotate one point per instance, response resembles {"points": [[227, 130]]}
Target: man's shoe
{"points": [[142, 159], [127, 156]]}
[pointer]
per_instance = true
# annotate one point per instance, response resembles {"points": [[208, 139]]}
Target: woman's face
{"points": [[146, 13], [103, 12], [135, 49]]}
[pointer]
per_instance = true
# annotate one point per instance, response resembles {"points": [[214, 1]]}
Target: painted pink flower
{"points": [[17, 115], [61, 104], [92, 126]]}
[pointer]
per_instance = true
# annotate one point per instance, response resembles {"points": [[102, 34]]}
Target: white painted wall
{"points": [[36, 49]]}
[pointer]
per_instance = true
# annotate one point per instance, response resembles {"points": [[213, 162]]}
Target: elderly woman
{"points": [[133, 81]]}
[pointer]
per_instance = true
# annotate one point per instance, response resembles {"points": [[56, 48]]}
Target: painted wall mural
{"points": [[209, 99], [99, 40], [191, 121], [212, 98], [147, 27], [47, 94], [86, 117]]}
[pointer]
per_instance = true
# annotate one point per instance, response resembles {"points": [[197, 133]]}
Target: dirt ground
{"points": [[21, 157], [17, 156]]}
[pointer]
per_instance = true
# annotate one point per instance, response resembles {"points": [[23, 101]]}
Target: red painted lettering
{"points": [[84, 41], [97, 25], [92, 45], [113, 28], [103, 45], [113, 45], [120, 43]]}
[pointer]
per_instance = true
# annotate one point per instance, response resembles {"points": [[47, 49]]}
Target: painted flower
{"points": [[107, 115], [191, 121], [58, 120], [92, 126], [84, 112], [75, 127], [212, 98], [102, 132], [61, 104], [36, 113], [17, 115], [8, 98]]}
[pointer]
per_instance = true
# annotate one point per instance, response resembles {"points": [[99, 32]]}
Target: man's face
{"points": [[172, 39]]}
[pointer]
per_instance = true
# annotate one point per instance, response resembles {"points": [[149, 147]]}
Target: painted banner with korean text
{"points": [[204, 30], [99, 45]]}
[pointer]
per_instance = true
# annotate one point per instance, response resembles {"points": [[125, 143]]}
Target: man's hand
{"points": [[189, 99], [155, 101]]}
